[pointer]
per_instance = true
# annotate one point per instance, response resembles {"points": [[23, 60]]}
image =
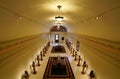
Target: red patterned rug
{"points": [[58, 49], [58, 68]]}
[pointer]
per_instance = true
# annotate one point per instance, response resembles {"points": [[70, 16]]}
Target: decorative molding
{"points": [[97, 43], [20, 43]]}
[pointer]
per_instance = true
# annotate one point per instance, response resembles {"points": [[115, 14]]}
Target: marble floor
{"points": [[75, 68]]}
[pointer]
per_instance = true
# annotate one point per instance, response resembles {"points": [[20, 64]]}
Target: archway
{"points": [[58, 34], [58, 29]]}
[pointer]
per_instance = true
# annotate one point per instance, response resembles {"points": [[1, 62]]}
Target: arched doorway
{"points": [[58, 34]]}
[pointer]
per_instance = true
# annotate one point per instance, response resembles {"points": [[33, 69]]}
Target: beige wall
{"points": [[104, 62], [106, 27], [14, 62], [11, 27]]}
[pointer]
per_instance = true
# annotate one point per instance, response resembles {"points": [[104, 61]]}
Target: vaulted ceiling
{"points": [[97, 18]]}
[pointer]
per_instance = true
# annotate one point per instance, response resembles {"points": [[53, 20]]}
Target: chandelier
{"points": [[59, 17]]}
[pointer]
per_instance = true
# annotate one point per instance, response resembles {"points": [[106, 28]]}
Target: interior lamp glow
{"points": [[58, 17], [58, 25]]}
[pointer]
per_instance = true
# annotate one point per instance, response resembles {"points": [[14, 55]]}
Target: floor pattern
{"points": [[58, 68], [58, 49], [41, 69]]}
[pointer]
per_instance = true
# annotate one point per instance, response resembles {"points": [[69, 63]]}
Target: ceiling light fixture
{"points": [[20, 17], [59, 17], [97, 17]]}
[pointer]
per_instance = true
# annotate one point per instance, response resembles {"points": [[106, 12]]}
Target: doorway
{"points": [[56, 38]]}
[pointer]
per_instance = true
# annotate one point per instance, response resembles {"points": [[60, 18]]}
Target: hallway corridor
{"points": [[89, 28], [76, 70]]}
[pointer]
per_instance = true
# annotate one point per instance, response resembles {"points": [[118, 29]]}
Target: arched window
{"points": [[58, 29]]}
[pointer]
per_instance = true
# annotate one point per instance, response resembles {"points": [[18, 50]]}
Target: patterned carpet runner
{"points": [[58, 68], [58, 49]]}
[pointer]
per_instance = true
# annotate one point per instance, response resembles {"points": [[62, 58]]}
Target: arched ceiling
{"points": [[75, 12]]}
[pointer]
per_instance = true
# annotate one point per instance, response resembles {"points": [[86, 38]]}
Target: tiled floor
{"points": [[75, 68]]}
